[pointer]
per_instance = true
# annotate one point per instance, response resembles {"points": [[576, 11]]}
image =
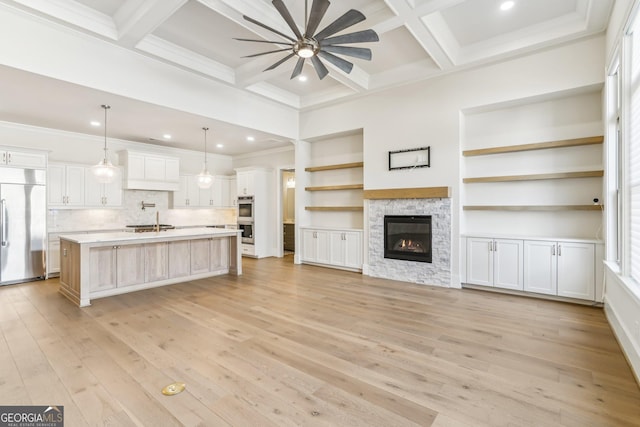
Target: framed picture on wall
{"points": [[410, 158]]}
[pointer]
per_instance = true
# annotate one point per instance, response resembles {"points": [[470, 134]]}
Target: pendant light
{"points": [[205, 179], [104, 171]]}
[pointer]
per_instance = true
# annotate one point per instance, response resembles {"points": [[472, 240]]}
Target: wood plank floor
{"points": [[287, 345]]}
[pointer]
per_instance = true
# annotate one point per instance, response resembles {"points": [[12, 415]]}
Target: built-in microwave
{"points": [[247, 232], [245, 208]]}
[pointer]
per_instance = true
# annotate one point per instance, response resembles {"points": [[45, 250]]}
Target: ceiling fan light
{"points": [[305, 52]]}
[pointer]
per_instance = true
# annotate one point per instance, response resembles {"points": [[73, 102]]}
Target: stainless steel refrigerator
{"points": [[23, 210]]}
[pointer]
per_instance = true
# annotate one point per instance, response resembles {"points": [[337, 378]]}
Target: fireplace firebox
{"points": [[407, 237]]}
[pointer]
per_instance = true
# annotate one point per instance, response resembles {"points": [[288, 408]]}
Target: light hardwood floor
{"points": [[287, 345]]}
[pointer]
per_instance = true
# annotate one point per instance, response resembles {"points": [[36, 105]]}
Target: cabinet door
{"points": [[233, 193], [181, 197], [224, 194], [156, 265], [336, 248], [245, 183], [53, 256], [200, 256], [309, 245], [322, 247], [130, 265], [352, 244], [93, 190], [135, 167], [540, 267], [56, 190], [219, 254], [102, 268], [179, 259], [26, 160], [508, 264], [74, 184], [113, 192], [480, 261], [576, 270]]}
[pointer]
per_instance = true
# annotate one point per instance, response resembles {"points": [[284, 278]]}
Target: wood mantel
{"points": [[408, 193]]}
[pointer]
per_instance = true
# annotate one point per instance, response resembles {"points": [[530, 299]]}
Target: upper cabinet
{"points": [[245, 183], [189, 195], [102, 195], [22, 159], [143, 171], [65, 186]]}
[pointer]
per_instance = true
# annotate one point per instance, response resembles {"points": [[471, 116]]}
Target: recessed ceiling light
{"points": [[95, 123], [506, 5], [166, 136], [250, 138], [303, 78], [220, 145]]}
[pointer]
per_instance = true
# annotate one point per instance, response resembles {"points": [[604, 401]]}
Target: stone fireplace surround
{"points": [[427, 202]]}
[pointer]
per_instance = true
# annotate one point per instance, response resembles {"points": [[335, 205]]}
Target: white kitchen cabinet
{"points": [[562, 268], [495, 262], [53, 256], [188, 194], [146, 171], [65, 186], [217, 196], [97, 194], [346, 249], [22, 159], [245, 183], [232, 201]]}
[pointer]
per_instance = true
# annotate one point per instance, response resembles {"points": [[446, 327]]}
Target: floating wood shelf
{"points": [[336, 187], [536, 146], [334, 208], [534, 208], [561, 175], [409, 193], [334, 167]]}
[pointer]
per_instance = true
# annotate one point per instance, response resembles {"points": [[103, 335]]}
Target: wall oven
{"points": [[247, 232], [245, 208]]}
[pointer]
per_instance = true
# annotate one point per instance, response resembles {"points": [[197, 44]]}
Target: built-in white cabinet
{"points": [[145, 171], [97, 194], [315, 246], [65, 186], [564, 268], [245, 183], [495, 262], [22, 159], [233, 192], [332, 247], [189, 195]]}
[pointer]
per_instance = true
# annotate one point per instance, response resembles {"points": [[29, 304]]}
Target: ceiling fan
{"points": [[314, 45]]}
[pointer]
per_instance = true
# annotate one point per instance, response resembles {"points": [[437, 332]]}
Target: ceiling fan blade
{"points": [[321, 70], [266, 27], [279, 62], [344, 65], [262, 41], [266, 53], [284, 12], [356, 52], [350, 18], [298, 68], [364, 36], [318, 9]]}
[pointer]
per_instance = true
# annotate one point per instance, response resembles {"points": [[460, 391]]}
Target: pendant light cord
{"points": [[205, 148], [106, 107]]}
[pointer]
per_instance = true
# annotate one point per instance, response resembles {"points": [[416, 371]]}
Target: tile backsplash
{"points": [[132, 213]]}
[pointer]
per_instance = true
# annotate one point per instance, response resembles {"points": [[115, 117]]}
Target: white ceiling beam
{"points": [[136, 19]]}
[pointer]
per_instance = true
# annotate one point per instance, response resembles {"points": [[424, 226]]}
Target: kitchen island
{"points": [[97, 265]]}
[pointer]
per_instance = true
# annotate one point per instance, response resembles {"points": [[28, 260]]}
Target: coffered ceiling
{"points": [[419, 39]]}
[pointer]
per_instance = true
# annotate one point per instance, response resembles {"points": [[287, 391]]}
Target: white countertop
{"points": [[149, 237]]}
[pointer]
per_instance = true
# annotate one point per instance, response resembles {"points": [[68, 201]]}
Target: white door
{"points": [[233, 193], [172, 170], [480, 261], [540, 267], [508, 264], [181, 197], [576, 270]]}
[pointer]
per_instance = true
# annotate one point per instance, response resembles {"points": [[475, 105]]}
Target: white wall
{"points": [[428, 114], [622, 298]]}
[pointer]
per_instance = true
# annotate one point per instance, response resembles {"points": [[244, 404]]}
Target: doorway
{"points": [[288, 212]]}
